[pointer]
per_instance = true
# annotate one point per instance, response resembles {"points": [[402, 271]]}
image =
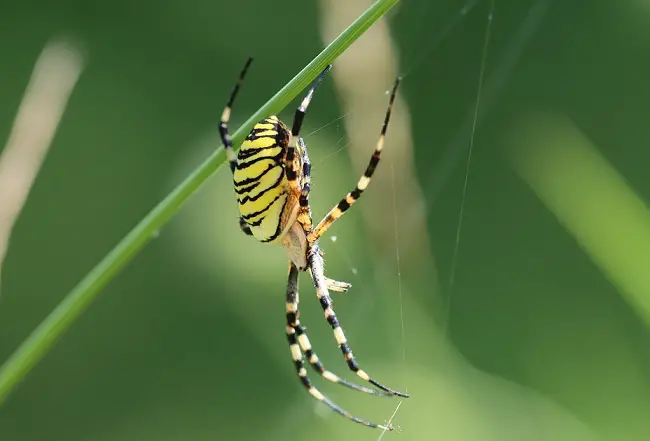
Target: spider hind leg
{"points": [[316, 266], [300, 346]]}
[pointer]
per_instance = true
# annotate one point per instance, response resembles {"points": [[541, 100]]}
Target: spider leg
{"points": [[225, 118], [292, 175], [355, 194], [225, 134], [298, 342], [316, 266], [304, 213], [304, 210], [293, 312]]}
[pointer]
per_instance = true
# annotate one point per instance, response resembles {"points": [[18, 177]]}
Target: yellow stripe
{"points": [[304, 342], [258, 143], [363, 374], [266, 183], [262, 126], [340, 337], [316, 394], [267, 133], [253, 170]]}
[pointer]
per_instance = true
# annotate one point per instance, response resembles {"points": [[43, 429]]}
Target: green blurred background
{"points": [[543, 333]]}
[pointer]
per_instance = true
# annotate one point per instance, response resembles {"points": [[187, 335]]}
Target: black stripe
{"points": [[353, 365], [291, 172], [343, 205], [247, 198], [332, 320], [223, 129], [254, 178], [277, 159], [278, 229], [291, 153], [247, 189], [325, 302], [251, 151], [297, 122], [239, 82], [303, 201], [257, 130], [248, 153], [305, 380], [372, 165], [356, 193], [257, 223], [291, 318], [257, 213]]}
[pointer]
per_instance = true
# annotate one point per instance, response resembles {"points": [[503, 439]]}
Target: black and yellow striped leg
{"points": [[305, 188], [225, 118], [304, 215], [298, 342], [225, 135], [298, 118], [293, 313], [302, 109], [355, 194], [316, 266]]}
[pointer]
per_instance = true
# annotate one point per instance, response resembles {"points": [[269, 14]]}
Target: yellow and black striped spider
{"points": [[271, 175]]}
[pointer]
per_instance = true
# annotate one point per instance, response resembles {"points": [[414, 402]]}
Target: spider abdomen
{"points": [[263, 193]]}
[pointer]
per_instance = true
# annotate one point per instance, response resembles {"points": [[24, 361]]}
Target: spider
{"points": [[271, 175]]}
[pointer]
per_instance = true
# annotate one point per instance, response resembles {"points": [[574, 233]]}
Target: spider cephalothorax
{"points": [[271, 175]]}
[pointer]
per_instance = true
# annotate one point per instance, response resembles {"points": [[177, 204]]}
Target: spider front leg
{"points": [[299, 343], [345, 204], [297, 143], [225, 118], [316, 267], [225, 134]]}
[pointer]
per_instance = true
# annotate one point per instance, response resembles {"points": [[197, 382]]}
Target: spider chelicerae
{"points": [[271, 174]]}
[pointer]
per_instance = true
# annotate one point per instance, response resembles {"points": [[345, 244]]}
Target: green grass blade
{"points": [[46, 334]]}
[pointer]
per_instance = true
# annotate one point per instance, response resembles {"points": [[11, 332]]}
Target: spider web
{"points": [[455, 256], [419, 55], [461, 213]]}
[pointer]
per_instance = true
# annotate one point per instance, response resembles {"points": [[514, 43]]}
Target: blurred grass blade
{"points": [[44, 336], [591, 199]]}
